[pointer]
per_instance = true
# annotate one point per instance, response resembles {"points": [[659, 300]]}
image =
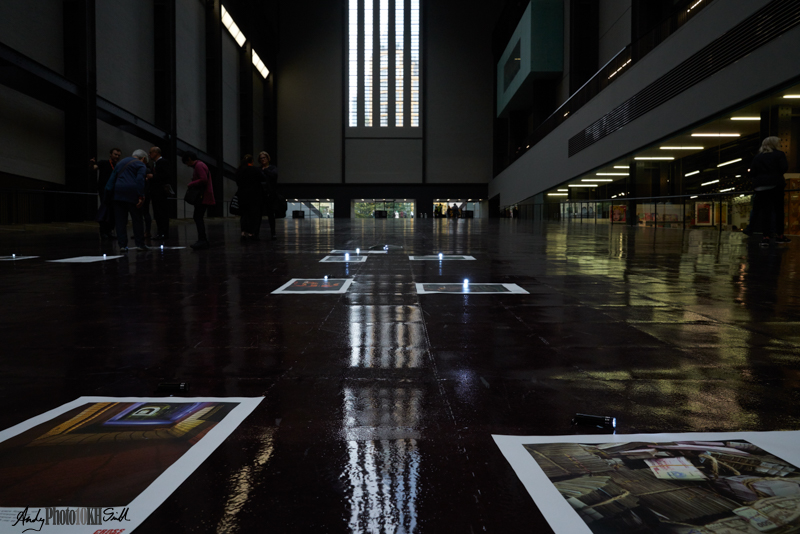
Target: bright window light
{"points": [[682, 148], [655, 158], [729, 162], [711, 182], [259, 65], [716, 135], [692, 173], [745, 118], [234, 30], [226, 18], [613, 174]]}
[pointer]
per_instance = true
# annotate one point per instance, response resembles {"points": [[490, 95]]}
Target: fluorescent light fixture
{"points": [[692, 173], [613, 196], [738, 176], [226, 18], [695, 5], [716, 135], [682, 148], [234, 30], [259, 65], [597, 180], [693, 197], [726, 190], [791, 96], [557, 194], [711, 182], [655, 158], [622, 166], [729, 162], [613, 174], [581, 185], [562, 190], [745, 118]]}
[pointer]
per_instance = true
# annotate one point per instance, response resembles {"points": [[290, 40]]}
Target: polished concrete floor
{"points": [[380, 403]]}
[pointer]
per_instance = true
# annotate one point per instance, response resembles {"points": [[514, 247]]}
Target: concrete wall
{"points": [[460, 78], [31, 137], [125, 53], [309, 91], [259, 141], [230, 100], [458, 107], [41, 18], [615, 28], [547, 163], [190, 57]]}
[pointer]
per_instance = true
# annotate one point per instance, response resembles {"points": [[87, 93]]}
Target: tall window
{"points": [[384, 63]]}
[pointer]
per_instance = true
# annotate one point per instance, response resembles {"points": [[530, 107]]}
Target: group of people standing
{"points": [[129, 186], [256, 195]]}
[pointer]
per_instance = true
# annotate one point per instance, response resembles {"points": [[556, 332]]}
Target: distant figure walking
{"points": [[767, 172], [270, 189], [251, 197]]}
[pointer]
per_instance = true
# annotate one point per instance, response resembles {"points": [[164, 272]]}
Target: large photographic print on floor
{"points": [[720, 483], [107, 463]]}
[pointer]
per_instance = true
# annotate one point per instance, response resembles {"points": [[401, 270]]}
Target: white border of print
{"points": [[513, 289], [445, 257], [162, 487], [353, 259], [362, 252], [560, 515], [282, 290], [85, 259]]}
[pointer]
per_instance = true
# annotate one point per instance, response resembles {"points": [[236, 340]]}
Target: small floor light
{"points": [[162, 247], [441, 256], [326, 277], [358, 251], [13, 256], [466, 283], [600, 421], [346, 256], [104, 256]]}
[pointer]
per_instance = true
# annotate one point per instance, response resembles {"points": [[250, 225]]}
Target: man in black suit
{"points": [[159, 188], [105, 168]]}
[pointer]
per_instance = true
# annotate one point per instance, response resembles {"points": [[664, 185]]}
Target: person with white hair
{"points": [[126, 188], [767, 172]]}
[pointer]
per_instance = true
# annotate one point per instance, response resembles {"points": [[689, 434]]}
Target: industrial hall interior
{"points": [[400, 266]]}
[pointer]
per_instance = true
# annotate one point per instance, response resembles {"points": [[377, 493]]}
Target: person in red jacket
{"points": [[201, 179]]}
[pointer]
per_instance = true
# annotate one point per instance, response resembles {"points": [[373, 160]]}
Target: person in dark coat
{"points": [[270, 173], [126, 187], [159, 190], [104, 170], [767, 172], [251, 197]]}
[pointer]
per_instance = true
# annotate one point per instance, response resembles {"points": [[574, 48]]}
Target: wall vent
{"points": [[766, 24]]}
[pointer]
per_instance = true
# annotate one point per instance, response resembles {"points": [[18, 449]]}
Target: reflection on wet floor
{"points": [[379, 403]]}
